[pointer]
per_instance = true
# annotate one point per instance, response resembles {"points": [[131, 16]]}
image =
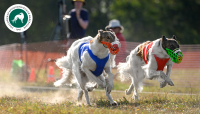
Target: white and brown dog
{"points": [[86, 60], [148, 60]]}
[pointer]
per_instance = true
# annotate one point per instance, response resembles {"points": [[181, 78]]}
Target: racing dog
{"points": [[148, 60], [86, 60]]}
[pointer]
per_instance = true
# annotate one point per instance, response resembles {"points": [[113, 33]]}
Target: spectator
{"points": [[79, 21], [118, 29]]}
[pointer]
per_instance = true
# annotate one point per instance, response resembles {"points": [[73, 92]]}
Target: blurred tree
{"points": [[99, 15], [142, 19], [147, 20]]}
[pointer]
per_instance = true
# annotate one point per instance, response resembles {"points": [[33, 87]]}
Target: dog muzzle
{"points": [[113, 48], [175, 55]]}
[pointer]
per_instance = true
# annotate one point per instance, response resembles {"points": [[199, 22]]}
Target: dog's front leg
{"points": [[108, 89], [164, 83], [94, 78], [151, 72], [154, 74], [109, 80]]}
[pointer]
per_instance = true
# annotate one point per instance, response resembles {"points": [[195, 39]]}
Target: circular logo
{"points": [[18, 18]]}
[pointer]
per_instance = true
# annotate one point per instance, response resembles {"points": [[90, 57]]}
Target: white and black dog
{"points": [[148, 60], [86, 60]]}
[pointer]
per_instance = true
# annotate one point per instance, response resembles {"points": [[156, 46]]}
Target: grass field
{"points": [[14, 100], [65, 102]]}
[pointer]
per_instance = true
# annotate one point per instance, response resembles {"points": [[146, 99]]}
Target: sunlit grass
{"points": [[14, 100], [148, 103]]}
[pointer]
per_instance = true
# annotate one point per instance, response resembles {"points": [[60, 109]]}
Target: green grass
{"points": [[32, 103], [14, 100]]}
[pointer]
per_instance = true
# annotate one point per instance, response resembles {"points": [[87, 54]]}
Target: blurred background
{"points": [[142, 20]]}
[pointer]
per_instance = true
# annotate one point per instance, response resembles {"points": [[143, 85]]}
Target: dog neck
{"points": [[98, 49], [159, 51]]}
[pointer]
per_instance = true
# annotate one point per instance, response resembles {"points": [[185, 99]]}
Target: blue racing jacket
{"points": [[100, 63]]}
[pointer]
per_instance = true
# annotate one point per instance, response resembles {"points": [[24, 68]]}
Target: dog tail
{"points": [[67, 78], [64, 62], [124, 69]]}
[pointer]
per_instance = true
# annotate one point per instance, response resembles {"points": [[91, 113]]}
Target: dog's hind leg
{"points": [[138, 76], [78, 74], [136, 85], [82, 80], [130, 89]]}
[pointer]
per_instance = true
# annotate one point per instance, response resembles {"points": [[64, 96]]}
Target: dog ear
{"points": [[164, 38], [107, 28], [100, 32], [164, 42], [174, 37], [113, 33]]}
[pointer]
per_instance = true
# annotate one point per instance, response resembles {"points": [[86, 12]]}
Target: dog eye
{"points": [[108, 37]]}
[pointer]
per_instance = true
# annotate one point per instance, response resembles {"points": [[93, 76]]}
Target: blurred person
{"points": [[118, 29], [79, 21]]}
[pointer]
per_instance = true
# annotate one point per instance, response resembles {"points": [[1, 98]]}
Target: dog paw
{"points": [[171, 83], [89, 105], [89, 89], [127, 92], [114, 103], [163, 84], [136, 97]]}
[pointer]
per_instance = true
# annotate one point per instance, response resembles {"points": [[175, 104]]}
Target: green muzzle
{"points": [[174, 55]]}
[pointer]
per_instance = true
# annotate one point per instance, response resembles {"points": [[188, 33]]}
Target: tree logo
{"points": [[18, 18]]}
